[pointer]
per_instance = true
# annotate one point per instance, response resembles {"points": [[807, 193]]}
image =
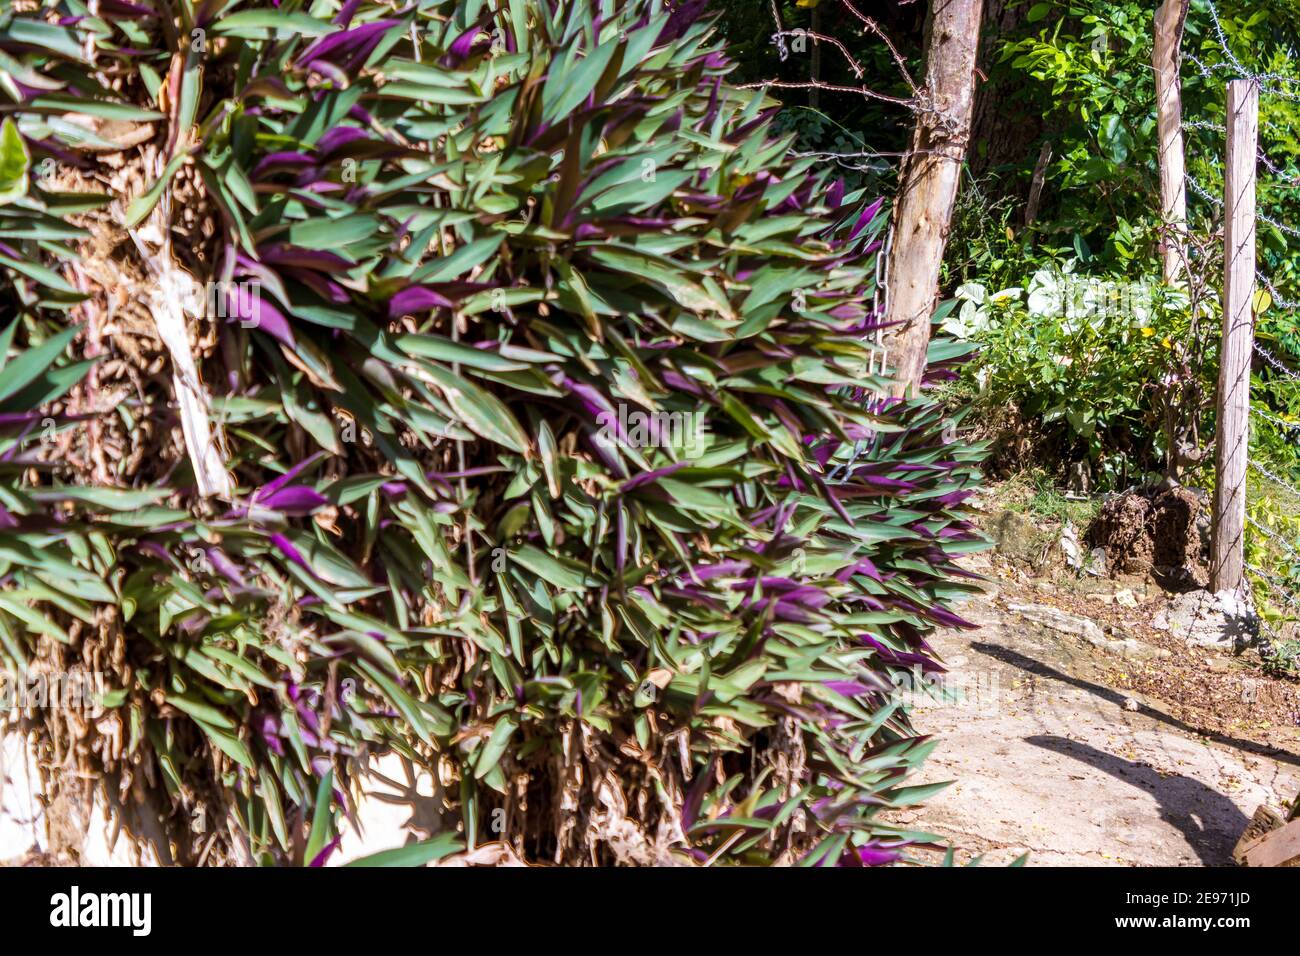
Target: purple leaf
{"points": [[351, 42], [254, 310], [417, 298], [294, 500]]}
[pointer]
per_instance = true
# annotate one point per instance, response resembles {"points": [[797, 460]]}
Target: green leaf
{"points": [[414, 854], [29, 365], [333, 234], [14, 161], [47, 277], [461, 261], [445, 350], [143, 204], [101, 109], [228, 743], [48, 36], [201, 710], [562, 574], [268, 23], [577, 84], [495, 747], [481, 411], [321, 818]]}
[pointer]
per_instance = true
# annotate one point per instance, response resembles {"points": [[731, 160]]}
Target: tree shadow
{"points": [[1031, 666], [1208, 821], [425, 818]]}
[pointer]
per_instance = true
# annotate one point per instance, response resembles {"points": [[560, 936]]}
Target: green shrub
{"points": [[498, 246], [1112, 373]]}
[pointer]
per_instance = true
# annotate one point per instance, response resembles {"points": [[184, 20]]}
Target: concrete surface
{"points": [[1049, 761]]}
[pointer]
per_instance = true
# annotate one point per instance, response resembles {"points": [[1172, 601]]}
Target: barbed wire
{"points": [[1261, 79], [904, 101], [1279, 588], [1272, 581], [1202, 191], [1280, 422], [1276, 362], [1277, 297], [1281, 592], [868, 24], [855, 161], [917, 102], [1276, 479], [1279, 226], [1275, 170], [1207, 71], [1273, 536], [800, 33]]}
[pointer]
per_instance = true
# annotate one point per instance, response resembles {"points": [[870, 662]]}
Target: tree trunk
{"points": [[928, 185], [1169, 126], [1004, 132]]}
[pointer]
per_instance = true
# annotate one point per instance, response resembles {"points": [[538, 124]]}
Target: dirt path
{"points": [[1051, 760]]}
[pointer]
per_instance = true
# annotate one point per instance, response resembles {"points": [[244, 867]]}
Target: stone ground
{"points": [[1053, 760]]}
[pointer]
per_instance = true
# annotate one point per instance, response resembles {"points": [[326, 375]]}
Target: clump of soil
{"points": [[1177, 541], [1124, 528], [1152, 531]]}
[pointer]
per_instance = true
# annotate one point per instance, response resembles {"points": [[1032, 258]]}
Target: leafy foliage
{"points": [[482, 238], [1112, 372]]}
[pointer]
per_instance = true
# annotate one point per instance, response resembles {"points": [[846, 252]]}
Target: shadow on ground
{"points": [[1031, 666], [1208, 821]]}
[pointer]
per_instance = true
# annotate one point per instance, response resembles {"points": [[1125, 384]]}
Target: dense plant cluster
{"points": [[1112, 376], [476, 262]]}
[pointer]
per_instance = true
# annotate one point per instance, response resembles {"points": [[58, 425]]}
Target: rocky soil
{"points": [[1086, 722]]}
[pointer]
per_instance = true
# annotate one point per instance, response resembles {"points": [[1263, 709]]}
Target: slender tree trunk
{"points": [[1169, 127], [928, 185], [1036, 184]]}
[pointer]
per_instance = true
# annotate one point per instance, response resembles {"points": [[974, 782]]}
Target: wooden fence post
{"points": [[1169, 128], [1233, 404]]}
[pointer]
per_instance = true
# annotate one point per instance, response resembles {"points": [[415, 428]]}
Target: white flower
{"points": [[1045, 293], [971, 318]]}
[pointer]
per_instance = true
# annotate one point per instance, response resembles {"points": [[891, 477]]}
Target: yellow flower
{"points": [[1148, 332], [1166, 343]]}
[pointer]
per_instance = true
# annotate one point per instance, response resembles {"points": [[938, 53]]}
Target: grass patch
{"points": [[1034, 494]]}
